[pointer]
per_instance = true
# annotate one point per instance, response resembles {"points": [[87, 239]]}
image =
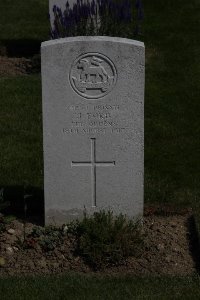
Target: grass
{"points": [[24, 20], [21, 131], [172, 107], [77, 287]]}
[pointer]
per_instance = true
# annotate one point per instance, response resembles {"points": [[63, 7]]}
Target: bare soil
{"points": [[168, 251], [14, 66]]}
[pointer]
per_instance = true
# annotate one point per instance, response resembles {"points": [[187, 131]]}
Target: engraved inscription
{"points": [[95, 130], [93, 164], [93, 107], [93, 75], [94, 119]]}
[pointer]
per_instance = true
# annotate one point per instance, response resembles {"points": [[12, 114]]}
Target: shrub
{"points": [[37, 232], [51, 238], [98, 17], [104, 240]]}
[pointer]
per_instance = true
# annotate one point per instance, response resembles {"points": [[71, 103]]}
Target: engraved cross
{"points": [[93, 164]]}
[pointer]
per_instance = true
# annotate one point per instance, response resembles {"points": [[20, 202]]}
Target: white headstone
{"points": [[93, 113]]}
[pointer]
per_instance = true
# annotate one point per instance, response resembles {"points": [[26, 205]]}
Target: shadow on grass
{"points": [[194, 242], [26, 204], [21, 48]]}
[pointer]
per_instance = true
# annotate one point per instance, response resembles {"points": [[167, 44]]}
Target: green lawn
{"points": [[172, 106], [21, 131], [75, 287], [172, 143], [24, 20]]}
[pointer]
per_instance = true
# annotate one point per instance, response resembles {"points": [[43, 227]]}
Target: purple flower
{"points": [[114, 16], [54, 8]]}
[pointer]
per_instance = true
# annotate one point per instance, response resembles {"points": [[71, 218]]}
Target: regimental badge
{"points": [[93, 75]]}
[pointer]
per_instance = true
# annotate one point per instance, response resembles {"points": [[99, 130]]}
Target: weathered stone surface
{"points": [[93, 108]]}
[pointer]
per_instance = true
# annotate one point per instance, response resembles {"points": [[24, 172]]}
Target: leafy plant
{"points": [[37, 231], [51, 238], [47, 244], [48, 238], [98, 17], [104, 240]]}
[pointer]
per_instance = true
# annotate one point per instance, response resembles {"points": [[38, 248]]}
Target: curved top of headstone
{"points": [[92, 39]]}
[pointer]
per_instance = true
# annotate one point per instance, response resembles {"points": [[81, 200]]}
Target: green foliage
{"points": [[50, 239], [37, 231], [47, 243], [104, 239]]}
